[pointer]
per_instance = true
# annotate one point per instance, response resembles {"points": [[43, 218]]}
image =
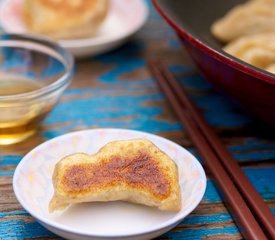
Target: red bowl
{"points": [[252, 88]]}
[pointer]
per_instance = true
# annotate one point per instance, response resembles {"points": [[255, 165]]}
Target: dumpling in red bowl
{"points": [[251, 87]]}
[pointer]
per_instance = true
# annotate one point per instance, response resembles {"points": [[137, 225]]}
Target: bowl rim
{"points": [[58, 226], [41, 44], [222, 56]]}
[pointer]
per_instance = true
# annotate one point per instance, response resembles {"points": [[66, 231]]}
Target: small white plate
{"points": [[124, 19], [32, 183]]}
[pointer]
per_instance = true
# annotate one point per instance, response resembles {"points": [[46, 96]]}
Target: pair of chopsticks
{"points": [[250, 212]]}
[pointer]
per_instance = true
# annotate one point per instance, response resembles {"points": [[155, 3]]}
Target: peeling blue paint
{"points": [[82, 108]]}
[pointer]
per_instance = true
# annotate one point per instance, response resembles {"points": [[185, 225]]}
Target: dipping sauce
{"points": [[19, 118], [12, 85]]}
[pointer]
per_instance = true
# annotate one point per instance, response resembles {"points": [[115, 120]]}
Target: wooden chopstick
{"points": [[249, 193], [233, 199]]}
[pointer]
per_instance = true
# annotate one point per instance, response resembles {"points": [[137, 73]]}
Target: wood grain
{"points": [[116, 90]]}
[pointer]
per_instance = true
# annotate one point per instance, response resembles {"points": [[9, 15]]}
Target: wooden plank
{"points": [[262, 178], [210, 219], [155, 118], [20, 225], [116, 90]]}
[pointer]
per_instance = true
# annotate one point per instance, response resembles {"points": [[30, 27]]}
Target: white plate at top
{"points": [[32, 184], [123, 20]]}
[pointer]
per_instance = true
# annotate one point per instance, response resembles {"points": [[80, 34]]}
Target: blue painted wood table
{"points": [[116, 90]]}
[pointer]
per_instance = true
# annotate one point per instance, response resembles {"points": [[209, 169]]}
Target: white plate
{"points": [[112, 220], [124, 19]]}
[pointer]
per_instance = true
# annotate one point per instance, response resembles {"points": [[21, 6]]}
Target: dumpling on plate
{"points": [[64, 19], [128, 170], [252, 17], [258, 50]]}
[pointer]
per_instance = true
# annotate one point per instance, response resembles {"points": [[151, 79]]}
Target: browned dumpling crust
{"points": [[129, 170]]}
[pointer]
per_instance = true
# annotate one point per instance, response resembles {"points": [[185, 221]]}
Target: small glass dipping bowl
{"points": [[33, 74]]}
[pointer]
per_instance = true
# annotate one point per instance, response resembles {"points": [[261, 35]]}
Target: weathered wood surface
{"points": [[116, 90]]}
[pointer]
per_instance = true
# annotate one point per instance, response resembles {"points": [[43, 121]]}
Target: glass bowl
{"points": [[33, 74]]}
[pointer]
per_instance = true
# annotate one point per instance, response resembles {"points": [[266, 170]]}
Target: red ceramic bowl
{"points": [[252, 88]]}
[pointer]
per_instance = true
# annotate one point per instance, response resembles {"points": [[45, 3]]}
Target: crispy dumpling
{"points": [[258, 50], [64, 19], [252, 17], [129, 170], [271, 68]]}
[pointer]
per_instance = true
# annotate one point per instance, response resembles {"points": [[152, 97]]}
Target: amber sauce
{"points": [[17, 120]]}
